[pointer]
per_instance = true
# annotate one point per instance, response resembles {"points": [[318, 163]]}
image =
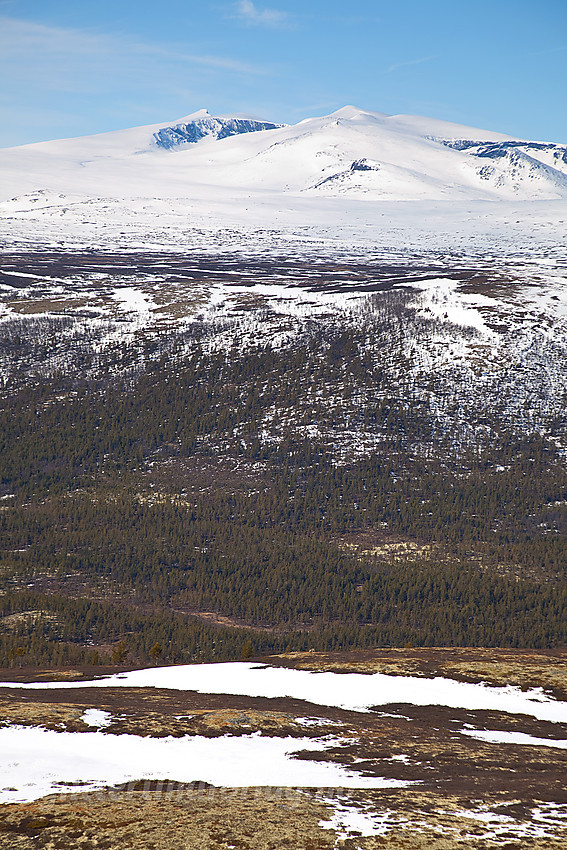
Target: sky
{"points": [[89, 66]]}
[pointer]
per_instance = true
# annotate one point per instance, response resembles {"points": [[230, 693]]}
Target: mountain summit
{"points": [[200, 124]]}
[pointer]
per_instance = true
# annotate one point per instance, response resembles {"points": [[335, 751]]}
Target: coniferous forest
{"points": [[183, 503]]}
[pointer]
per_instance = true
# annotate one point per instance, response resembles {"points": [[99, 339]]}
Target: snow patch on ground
{"points": [[363, 692], [441, 299], [517, 738], [35, 762], [132, 300], [360, 820], [351, 820], [96, 717]]}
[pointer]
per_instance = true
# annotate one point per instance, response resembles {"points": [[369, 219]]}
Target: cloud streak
{"points": [[247, 12], [398, 65], [59, 82]]}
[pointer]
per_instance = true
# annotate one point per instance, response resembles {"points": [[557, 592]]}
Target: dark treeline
{"points": [[132, 507]]}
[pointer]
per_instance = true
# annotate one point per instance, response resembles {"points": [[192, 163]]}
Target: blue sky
{"points": [[88, 66]]}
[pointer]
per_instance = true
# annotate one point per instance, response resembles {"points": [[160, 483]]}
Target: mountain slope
{"points": [[350, 152]]}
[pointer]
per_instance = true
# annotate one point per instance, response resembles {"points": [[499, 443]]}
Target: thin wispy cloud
{"points": [[408, 63], [94, 80], [71, 59], [247, 12], [561, 49], [213, 62], [343, 20]]}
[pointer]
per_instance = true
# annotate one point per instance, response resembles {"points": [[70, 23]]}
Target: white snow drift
{"points": [[36, 761]]}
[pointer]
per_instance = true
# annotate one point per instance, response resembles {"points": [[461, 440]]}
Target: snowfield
{"points": [[351, 151], [364, 691]]}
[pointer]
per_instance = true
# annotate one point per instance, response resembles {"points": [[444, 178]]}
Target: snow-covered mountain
{"points": [[350, 178], [351, 152]]}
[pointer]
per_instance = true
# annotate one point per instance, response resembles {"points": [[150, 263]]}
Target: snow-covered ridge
{"points": [[496, 150], [516, 161], [202, 125]]}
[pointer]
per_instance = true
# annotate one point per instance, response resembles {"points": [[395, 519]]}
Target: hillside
{"points": [[269, 387]]}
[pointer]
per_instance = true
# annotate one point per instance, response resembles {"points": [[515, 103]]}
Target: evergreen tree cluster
{"points": [[217, 483]]}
